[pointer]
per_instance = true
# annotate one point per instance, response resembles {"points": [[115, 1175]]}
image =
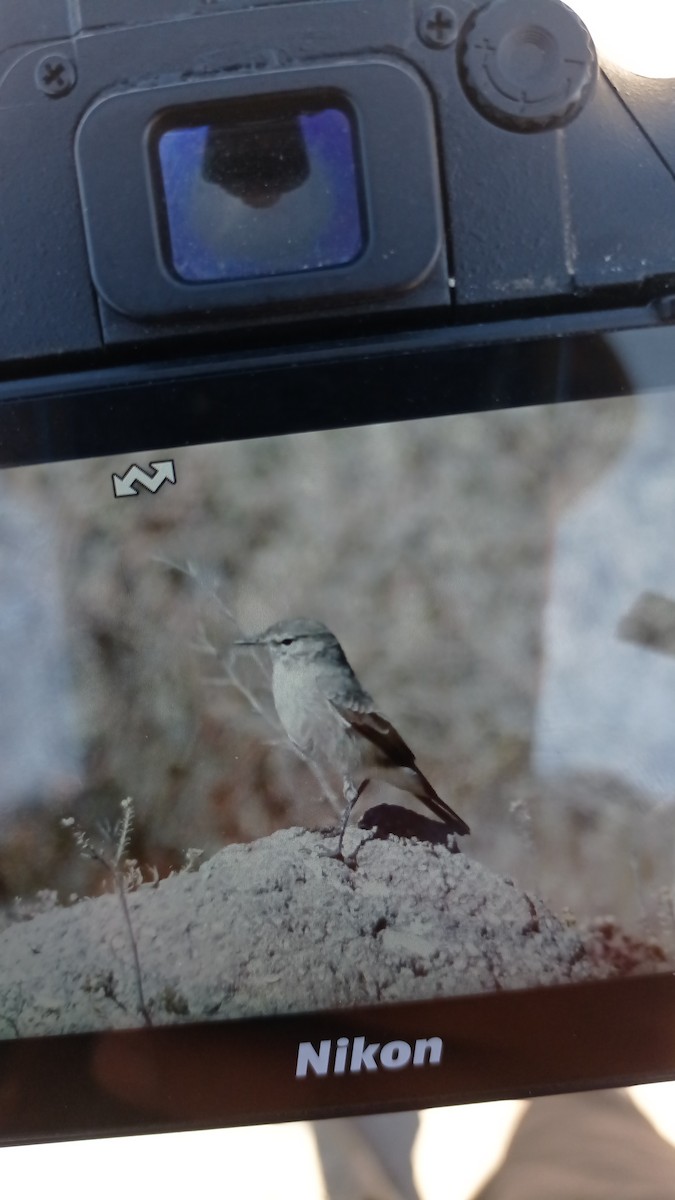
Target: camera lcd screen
{"points": [[475, 610], [261, 190]]}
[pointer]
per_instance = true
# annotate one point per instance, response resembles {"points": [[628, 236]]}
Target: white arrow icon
{"points": [[126, 485]]}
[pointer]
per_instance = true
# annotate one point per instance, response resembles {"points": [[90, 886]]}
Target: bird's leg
{"points": [[351, 794]]}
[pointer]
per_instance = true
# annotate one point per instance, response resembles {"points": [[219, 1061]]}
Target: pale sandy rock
{"points": [[278, 926]]}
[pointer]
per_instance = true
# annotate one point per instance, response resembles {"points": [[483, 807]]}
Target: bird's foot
{"points": [[349, 860]]}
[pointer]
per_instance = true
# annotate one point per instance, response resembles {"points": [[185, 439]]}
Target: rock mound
{"points": [[278, 926]]}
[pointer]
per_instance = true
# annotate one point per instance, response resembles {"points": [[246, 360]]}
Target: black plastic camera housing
{"points": [[221, 222], [497, 172]]}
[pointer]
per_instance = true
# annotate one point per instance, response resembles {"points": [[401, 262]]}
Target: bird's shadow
{"points": [[392, 820]]}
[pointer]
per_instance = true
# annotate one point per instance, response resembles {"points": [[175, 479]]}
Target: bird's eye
{"points": [[287, 641]]}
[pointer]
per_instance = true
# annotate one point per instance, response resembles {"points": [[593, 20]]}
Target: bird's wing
{"points": [[369, 724], [377, 730]]}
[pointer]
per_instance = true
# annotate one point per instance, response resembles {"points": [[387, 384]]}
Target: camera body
{"points": [[224, 226], [492, 173]]}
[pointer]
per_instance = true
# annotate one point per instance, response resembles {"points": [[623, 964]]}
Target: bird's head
{"points": [[300, 638]]}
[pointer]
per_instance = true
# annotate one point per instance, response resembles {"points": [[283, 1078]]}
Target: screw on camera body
{"points": [[55, 75], [437, 27]]}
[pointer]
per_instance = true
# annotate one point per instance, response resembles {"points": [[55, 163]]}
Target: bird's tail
{"points": [[428, 796]]}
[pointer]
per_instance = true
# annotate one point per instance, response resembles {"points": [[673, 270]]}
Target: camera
{"points": [[228, 170], [336, 609]]}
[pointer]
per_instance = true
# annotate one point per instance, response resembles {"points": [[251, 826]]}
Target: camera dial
{"points": [[527, 65]]}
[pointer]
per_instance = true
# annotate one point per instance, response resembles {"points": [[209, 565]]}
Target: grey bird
{"points": [[332, 720]]}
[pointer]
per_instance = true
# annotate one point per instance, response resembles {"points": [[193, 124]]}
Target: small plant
{"points": [[192, 860], [110, 849], [103, 986], [43, 901]]}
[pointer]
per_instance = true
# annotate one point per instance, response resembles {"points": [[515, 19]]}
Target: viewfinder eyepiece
{"points": [[251, 192]]}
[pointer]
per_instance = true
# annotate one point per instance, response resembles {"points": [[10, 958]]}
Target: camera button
{"points": [[527, 65]]}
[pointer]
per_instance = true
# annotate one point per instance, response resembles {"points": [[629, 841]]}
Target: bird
{"points": [[332, 720]]}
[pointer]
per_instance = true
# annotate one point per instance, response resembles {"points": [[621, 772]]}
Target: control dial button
{"points": [[527, 65]]}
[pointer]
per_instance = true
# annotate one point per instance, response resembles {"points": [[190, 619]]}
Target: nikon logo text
{"points": [[354, 1055]]}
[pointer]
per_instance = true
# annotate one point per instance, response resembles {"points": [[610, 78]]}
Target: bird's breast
{"points": [[302, 707]]}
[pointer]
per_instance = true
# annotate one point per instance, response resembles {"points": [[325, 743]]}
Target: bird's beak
{"points": [[246, 642]]}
